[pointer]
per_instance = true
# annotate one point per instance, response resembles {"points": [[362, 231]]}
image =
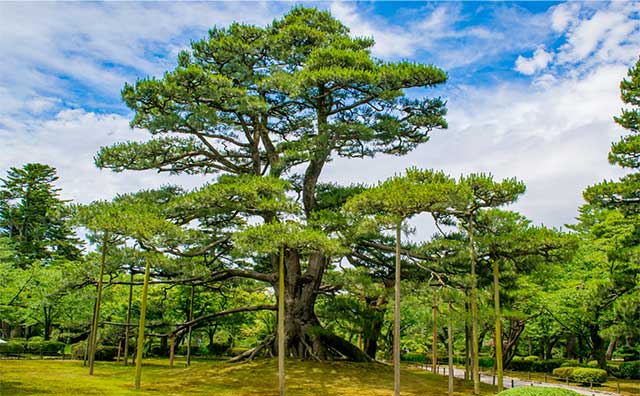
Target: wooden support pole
{"points": [[450, 348], [93, 337], [128, 327], [172, 349], [143, 312], [190, 319], [498, 326], [281, 330], [396, 318]]}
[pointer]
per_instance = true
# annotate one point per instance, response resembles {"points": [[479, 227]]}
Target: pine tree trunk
{"points": [[281, 327], [127, 329], [450, 348]]}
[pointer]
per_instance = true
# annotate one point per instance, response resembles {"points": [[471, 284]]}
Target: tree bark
{"points": [[498, 325], [396, 319], [143, 312], [475, 350], [128, 328], [450, 347], [93, 338], [281, 315], [434, 335]]}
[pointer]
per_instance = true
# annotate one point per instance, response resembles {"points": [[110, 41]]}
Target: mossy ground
{"points": [[258, 378]]}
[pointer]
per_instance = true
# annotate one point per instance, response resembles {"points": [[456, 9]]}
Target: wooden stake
{"points": [[143, 312], [396, 319], [281, 330]]}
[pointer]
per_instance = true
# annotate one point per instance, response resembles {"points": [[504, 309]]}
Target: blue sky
{"points": [[532, 91]]}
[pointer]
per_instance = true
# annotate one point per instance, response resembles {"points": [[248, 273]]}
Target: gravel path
{"points": [[510, 382]]}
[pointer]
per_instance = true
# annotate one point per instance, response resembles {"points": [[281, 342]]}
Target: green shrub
{"points": [[614, 369], [572, 363], [589, 375], [486, 362], [413, 357], [629, 354], [592, 364], [531, 358], [217, 349], [563, 372], [546, 366], [537, 391], [520, 364], [106, 352], [44, 347], [12, 348], [630, 370], [103, 352]]}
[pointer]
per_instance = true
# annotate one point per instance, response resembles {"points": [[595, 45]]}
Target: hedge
{"points": [[589, 375], [564, 372], [45, 347], [531, 364], [630, 370], [103, 352], [12, 348], [537, 391]]}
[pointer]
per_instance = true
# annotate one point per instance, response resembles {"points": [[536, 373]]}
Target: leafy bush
{"points": [[520, 364], [572, 363], [103, 352], [535, 365], [564, 372], [106, 352], [589, 375], [217, 349], [12, 348], [592, 364], [614, 369], [413, 357], [630, 370], [537, 391], [629, 354], [546, 366], [77, 350], [486, 362], [44, 347]]}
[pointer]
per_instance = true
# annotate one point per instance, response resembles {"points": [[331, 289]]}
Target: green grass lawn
{"points": [[258, 378]]}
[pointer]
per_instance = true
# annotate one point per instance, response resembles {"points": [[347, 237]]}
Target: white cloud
{"points": [[595, 34], [537, 62], [102, 45], [553, 136], [68, 142]]}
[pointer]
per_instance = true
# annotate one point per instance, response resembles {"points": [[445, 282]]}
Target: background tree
{"points": [[34, 217]]}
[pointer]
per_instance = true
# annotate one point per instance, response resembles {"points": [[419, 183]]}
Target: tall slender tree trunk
{"points": [[396, 318], [172, 349], [498, 313], [128, 328], [434, 335], [281, 329], [190, 319], [93, 337], [450, 347], [143, 313], [475, 351], [467, 340]]}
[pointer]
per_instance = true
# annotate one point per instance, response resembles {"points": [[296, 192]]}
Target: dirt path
{"points": [[510, 382]]}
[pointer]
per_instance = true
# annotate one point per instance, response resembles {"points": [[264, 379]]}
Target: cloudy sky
{"points": [[532, 91]]}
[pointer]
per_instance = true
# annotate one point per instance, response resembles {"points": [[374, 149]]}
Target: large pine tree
{"points": [[281, 100]]}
